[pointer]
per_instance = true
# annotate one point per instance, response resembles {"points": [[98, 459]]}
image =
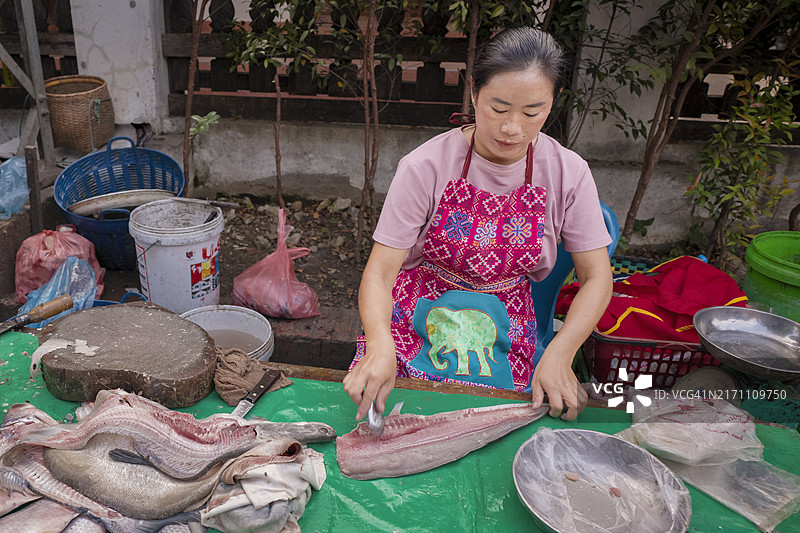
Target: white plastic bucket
{"points": [[235, 327], [177, 251]]}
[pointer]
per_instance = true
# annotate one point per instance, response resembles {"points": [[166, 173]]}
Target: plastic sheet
{"points": [[713, 446], [74, 277], [577, 480], [474, 494], [13, 187], [695, 432]]}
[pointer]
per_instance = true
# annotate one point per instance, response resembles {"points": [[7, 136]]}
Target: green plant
{"points": [[202, 123], [681, 45], [736, 183]]}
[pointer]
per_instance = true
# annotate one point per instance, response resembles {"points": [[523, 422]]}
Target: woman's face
{"points": [[510, 110]]}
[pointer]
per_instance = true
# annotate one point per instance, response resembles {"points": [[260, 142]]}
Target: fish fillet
{"points": [[416, 443], [42, 515]]}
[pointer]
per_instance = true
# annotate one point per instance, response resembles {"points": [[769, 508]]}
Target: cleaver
{"points": [[246, 403]]}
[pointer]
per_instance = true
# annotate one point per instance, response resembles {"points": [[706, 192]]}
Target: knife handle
{"points": [[48, 309], [269, 377]]}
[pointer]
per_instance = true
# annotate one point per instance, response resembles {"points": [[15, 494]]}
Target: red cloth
{"points": [[660, 304]]}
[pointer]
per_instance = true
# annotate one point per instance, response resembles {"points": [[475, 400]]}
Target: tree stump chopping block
{"points": [[139, 347]]}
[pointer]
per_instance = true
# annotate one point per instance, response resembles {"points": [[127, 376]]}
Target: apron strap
{"points": [[467, 159], [528, 161]]}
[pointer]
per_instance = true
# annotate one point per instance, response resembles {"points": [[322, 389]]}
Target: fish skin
{"points": [[20, 419], [302, 432], [137, 491], [84, 524], [40, 516], [416, 443]]}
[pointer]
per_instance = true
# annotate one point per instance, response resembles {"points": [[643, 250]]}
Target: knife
{"points": [[246, 403], [39, 313], [375, 421]]}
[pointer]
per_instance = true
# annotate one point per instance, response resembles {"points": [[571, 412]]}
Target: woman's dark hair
{"points": [[517, 49]]}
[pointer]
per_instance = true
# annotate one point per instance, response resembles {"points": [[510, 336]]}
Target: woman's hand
{"points": [[372, 379], [553, 375]]}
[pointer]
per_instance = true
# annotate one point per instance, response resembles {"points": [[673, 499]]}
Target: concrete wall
{"points": [[120, 42]]}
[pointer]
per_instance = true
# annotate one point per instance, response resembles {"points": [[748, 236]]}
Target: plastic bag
{"points": [[270, 286], [695, 431], [757, 490], [13, 187], [40, 255], [74, 277], [713, 446]]}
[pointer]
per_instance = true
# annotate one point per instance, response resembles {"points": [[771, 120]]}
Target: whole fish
{"points": [[416, 443], [22, 469], [141, 491], [135, 490], [43, 515]]}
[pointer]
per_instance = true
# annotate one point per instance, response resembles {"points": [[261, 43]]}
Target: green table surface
{"points": [[474, 493]]}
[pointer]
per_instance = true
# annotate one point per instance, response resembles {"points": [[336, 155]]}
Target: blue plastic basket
{"points": [[114, 170]]}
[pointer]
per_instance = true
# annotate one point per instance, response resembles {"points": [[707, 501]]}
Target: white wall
{"points": [[120, 41]]}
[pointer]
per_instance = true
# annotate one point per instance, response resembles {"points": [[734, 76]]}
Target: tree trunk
{"points": [[277, 128], [666, 115], [197, 19], [472, 47], [369, 100]]}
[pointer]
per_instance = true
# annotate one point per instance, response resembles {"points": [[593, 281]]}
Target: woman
{"points": [[470, 217]]}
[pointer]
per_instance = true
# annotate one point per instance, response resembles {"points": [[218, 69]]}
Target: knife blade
{"points": [[39, 313], [246, 403], [375, 420]]}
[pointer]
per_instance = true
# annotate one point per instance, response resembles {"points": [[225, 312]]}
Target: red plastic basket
{"points": [[666, 361]]}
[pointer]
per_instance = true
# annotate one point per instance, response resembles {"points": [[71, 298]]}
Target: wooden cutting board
{"points": [[139, 347]]}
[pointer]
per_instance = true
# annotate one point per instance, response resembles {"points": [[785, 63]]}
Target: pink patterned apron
{"points": [[465, 314]]}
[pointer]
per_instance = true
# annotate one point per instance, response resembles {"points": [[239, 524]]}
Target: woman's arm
{"points": [[553, 375], [373, 377]]}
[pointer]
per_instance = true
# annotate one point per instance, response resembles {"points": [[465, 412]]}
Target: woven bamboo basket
{"points": [[81, 114]]}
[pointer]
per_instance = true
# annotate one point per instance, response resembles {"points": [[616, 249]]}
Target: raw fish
{"points": [[22, 470], [416, 443], [42, 515]]}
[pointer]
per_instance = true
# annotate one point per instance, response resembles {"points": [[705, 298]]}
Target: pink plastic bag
{"points": [[40, 255], [270, 286]]}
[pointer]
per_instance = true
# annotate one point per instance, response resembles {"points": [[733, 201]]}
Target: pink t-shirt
{"points": [[572, 211]]}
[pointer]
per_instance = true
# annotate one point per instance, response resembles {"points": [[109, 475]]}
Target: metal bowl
{"points": [[569, 480], [753, 342]]}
